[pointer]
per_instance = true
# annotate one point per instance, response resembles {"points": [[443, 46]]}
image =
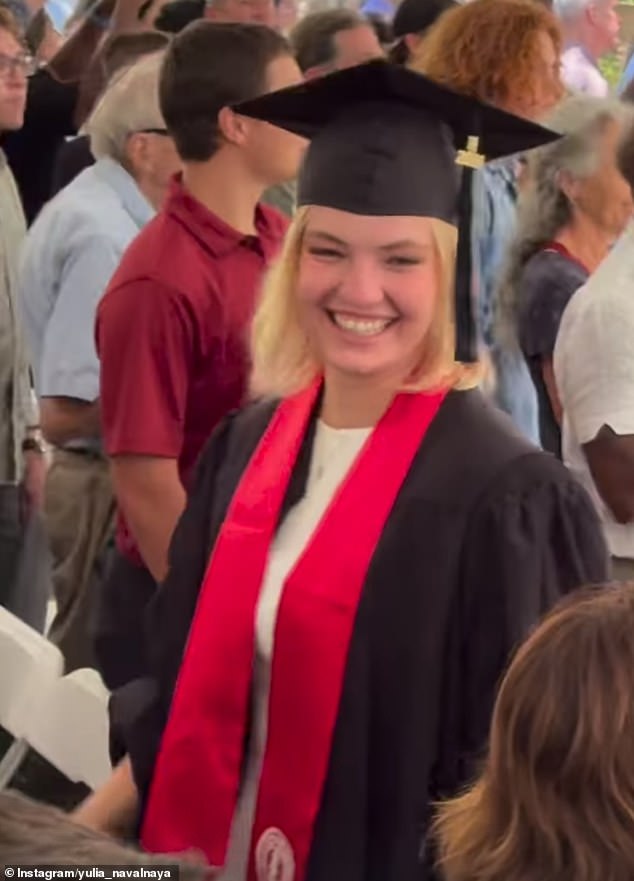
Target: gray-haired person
{"points": [[591, 30], [33, 834], [574, 206], [71, 252]]}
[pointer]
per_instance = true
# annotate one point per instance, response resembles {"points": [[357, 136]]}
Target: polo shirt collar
{"points": [[134, 202], [216, 236]]}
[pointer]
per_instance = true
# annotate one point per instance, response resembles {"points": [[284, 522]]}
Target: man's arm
{"points": [[610, 457], [145, 342], [114, 807], [68, 364], [72, 59], [66, 419], [152, 498], [72, 63]]}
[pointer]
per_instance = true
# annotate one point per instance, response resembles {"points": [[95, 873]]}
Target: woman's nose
{"points": [[362, 283]]}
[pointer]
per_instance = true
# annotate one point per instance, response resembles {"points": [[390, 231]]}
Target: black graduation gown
{"points": [[486, 534]]}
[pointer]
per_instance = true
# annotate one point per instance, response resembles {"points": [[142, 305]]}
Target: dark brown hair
{"points": [[8, 23], [555, 801], [177, 14], [209, 66], [117, 51], [127, 47], [487, 48], [313, 37]]}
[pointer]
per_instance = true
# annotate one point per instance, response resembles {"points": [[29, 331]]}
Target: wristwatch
{"points": [[34, 443]]}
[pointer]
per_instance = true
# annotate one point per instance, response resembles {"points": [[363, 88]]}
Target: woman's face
{"points": [[367, 291], [534, 100], [605, 197]]}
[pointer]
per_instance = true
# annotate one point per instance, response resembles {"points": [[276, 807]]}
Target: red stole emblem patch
{"points": [[196, 780]]}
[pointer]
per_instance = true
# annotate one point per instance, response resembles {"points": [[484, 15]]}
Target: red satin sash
{"points": [[196, 779]]}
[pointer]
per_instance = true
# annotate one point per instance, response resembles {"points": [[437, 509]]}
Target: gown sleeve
{"points": [[533, 537], [139, 710]]}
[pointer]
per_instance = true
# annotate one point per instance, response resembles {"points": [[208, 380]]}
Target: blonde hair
{"points": [[283, 359], [555, 801]]}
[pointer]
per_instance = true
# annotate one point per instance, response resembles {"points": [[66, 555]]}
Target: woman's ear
{"points": [[413, 42]]}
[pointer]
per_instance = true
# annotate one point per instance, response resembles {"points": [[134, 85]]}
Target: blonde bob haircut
{"points": [[284, 361]]}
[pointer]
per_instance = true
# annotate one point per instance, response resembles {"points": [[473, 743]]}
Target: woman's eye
{"points": [[401, 262], [325, 253]]}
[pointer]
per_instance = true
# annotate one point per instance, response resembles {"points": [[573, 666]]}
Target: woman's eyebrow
{"points": [[405, 243], [326, 236]]}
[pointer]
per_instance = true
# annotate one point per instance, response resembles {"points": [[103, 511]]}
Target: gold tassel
{"points": [[471, 157]]}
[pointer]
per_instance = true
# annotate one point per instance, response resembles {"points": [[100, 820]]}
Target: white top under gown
{"points": [[334, 452]]}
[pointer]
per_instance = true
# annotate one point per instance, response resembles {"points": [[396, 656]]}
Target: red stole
{"points": [[197, 775]]}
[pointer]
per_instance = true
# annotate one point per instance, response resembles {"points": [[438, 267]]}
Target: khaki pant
{"points": [[80, 518]]}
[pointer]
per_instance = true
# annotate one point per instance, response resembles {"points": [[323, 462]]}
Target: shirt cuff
{"points": [[587, 428]]}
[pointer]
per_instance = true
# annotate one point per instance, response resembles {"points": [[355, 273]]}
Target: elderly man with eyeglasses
{"points": [[22, 464]]}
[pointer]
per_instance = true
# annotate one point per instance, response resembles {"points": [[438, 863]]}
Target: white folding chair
{"points": [[69, 727], [29, 664]]}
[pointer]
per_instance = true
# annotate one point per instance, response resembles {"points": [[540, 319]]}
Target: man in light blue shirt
{"points": [[71, 252]]}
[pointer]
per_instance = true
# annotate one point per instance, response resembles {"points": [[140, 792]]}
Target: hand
{"points": [[197, 858], [194, 856], [85, 816], [34, 480]]}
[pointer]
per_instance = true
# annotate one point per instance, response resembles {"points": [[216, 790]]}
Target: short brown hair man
{"points": [[176, 313], [332, 40]]}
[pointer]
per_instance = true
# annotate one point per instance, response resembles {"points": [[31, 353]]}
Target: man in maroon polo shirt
{"points": [[172, 329]]}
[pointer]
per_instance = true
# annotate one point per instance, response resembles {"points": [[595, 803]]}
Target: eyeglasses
{"points": [[153, 131], [24, 64]]}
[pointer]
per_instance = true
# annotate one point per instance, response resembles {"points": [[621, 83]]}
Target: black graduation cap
{"points": [[416, 16], [388, 141]]}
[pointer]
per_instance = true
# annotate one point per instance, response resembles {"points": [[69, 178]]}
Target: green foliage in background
{"points": [[612, 67]]}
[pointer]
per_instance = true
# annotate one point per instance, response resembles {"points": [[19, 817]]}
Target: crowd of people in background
{"points": [[207, 206]]}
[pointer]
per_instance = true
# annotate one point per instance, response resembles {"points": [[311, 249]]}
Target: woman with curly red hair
{"points": [[507, 53]]}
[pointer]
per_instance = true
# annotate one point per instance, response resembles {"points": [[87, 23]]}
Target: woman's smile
{"points": [[360, 325]]}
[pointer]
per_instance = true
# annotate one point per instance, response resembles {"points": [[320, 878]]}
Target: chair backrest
{"points": [[69, 727], [28, 663]]}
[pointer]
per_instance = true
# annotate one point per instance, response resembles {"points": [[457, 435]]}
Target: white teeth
{"points": [[362, 326]]}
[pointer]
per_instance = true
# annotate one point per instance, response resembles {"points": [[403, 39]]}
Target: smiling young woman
{"points": [[365, 545], [335, 275]]}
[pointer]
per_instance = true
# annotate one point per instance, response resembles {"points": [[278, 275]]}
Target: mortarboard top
{"points": [[388, 141], [416, 16]]}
